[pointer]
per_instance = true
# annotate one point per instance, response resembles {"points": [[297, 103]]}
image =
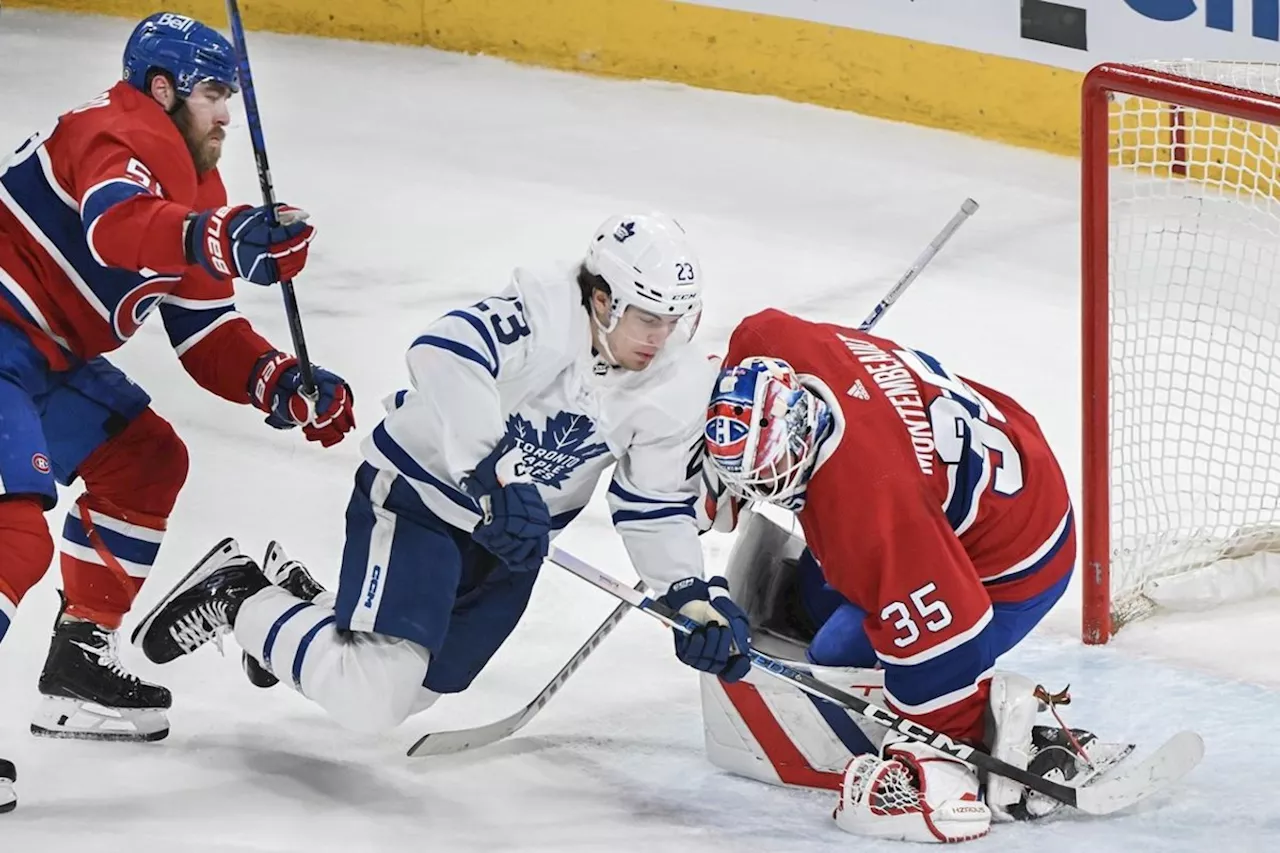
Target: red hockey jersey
{"points": [[934, 497], [91, 219]]}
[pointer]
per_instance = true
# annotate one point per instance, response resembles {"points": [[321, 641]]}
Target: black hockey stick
{"points": [[1173, 760], [269, 195]]}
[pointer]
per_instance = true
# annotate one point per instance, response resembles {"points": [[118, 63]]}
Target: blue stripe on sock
{"points": [[270, 642], [4, 625], [304, 644]]}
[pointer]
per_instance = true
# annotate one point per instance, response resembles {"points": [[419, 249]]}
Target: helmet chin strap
{"points": [[602, 339]]}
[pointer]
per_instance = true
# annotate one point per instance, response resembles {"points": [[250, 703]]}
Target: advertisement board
{"points": [[1074, 34]]}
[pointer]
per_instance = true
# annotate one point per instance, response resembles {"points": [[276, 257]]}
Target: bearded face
{"points": [[201, 118]]}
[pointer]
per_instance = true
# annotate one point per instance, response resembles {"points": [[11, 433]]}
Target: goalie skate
{"points": [[1057, 758]]}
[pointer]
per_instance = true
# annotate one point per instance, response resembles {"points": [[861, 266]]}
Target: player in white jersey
{"points": [[520, 402]]}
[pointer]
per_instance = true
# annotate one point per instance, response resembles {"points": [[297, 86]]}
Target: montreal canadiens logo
{"points": [[40, 462], [726, 433], [137, 304]]}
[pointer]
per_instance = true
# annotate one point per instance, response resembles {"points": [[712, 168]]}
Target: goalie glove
{"points": [[913, 793]]}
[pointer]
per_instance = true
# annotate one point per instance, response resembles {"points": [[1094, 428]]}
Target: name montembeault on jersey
{"points": [[899, 386]]}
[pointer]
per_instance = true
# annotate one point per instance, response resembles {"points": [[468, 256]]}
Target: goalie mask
{"points": [[762, 431], [654, 281]]}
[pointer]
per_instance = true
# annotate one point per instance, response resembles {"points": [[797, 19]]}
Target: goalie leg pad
{"points": [[913, 793], [1013, 707]]}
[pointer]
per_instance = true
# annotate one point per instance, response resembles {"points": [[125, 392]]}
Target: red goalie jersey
{"points": [[934, 497], [91, 226]]}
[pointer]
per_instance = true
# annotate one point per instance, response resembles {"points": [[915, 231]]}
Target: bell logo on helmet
{"points": [[177, 22], [624, 231]]}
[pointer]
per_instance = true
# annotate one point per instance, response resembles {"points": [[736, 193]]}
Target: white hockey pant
{"points": [[367, 682]]}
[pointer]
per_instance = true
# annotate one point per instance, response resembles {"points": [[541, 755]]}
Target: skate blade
{"points": [[217, 555], [73, 719]]}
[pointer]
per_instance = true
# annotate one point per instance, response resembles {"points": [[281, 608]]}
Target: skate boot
{"points": [[1072, 757], [293, 578], [202, 606], [8, 775], [88, 694]]}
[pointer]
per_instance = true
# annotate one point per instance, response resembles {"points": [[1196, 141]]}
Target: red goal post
{"points": [[1180, 223]]}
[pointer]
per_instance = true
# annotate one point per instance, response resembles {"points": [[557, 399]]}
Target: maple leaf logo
{"points": [[559, 449]]}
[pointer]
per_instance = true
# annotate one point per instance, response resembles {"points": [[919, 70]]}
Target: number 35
{"points": [[935, 614]]}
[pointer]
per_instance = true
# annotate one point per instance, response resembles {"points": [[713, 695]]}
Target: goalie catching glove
{"points": [[913, 793]]}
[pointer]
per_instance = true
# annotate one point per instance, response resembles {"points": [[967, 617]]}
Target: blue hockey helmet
{"points": [[188, 50]]}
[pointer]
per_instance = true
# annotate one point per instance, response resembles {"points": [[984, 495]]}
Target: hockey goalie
{"points": [[935, 531]]}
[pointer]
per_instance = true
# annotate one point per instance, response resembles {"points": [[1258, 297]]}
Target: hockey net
{"points": [[1181, 337]]}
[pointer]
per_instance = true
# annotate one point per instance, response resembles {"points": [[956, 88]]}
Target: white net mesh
{"points": [[1194, 359]]}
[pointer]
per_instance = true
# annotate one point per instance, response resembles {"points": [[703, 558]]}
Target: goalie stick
{"points": [[967, 208], [1173, 760], [457, 740]]}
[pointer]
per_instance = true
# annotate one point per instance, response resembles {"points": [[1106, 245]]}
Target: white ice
{"points": [[429, 177]]}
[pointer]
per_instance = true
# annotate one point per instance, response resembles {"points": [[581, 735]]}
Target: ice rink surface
{"points": [[429, 177]]}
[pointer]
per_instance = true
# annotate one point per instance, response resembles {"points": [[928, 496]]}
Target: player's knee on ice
{"points": [[367, 682], [372, 683]]}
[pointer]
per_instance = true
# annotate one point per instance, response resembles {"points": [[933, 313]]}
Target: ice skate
{"points": [[202, 606], [293, 577], [1058, 756], [8, 775], [88, 694]]}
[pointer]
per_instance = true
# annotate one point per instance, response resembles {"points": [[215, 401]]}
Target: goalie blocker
{"points": [[763, 729]]}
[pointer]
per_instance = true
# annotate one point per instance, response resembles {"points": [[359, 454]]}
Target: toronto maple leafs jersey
{"points": [[521, 363]]}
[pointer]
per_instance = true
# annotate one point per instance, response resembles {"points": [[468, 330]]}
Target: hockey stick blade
{"points": [[460, 740], [1177, 757], [1168, 765]]}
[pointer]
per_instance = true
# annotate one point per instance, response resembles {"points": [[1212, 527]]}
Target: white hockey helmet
{"points": [[648, 263]]}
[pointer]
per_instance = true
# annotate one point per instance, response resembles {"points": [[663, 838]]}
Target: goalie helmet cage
{"points": [[1180, 322]]}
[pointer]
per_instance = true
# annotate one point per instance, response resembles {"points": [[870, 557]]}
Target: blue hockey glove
{"points": [[718, 646], [275, 387], [515, 523], [231, 242]]}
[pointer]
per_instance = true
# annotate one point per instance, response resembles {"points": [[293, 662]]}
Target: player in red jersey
{"points": [[938, 528], [118, 211]]}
